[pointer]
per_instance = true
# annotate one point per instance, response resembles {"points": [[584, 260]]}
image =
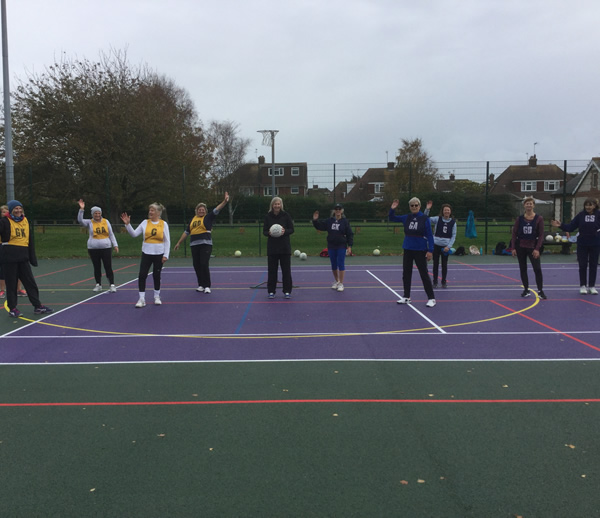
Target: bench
{"points": [[565, 248]]}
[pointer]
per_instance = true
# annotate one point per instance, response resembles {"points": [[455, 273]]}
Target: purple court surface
{"points": [[480, 316]]}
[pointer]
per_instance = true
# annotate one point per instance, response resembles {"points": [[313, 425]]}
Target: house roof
{"points": [[372, 175], [575, 182]]}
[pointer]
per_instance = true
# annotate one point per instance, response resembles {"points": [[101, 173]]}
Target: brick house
{"points": [[581, 186], [256, 179], [520, 181]]}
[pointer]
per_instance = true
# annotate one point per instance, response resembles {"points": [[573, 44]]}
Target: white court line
{"points": [[410, 305], [305, 360]]}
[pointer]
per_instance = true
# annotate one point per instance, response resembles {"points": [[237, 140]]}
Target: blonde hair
{"points": [[157, 207], [415, 199], [4, 207], [529, 198], [201, 205], [273, 200]]}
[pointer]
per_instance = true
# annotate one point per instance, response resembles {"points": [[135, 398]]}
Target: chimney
{"points": [[391, 166], [452, 177], [492, 178], [533, 161], [261, 160]]}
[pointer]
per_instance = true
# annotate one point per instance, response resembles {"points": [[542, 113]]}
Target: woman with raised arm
{"points": [[100, 243], [588, 243], [200, 232], [418, 248], [340, 239], [155, 249], [279, 248], [527, 240]]}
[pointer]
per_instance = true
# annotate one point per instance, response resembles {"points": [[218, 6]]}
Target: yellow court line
{"points": [[263, 337]]}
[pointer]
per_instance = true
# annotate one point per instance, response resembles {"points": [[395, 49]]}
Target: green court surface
{"points": [[294, 438]]}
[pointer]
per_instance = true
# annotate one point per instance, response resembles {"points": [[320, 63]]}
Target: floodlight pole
{"points": [[271, 134], [8, 150]]}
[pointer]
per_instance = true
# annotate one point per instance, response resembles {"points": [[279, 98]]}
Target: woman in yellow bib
{"points": [[99, 244], [17, 256], [155, 249], [200, 232]]}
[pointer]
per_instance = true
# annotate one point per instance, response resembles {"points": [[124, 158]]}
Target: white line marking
{"points": [[410, 305]]}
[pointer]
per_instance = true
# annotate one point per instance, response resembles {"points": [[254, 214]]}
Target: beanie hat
{"points": [[95, 209], [13, 204]]}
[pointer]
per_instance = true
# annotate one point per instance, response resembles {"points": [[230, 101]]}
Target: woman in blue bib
{"points": [[588, 243], [444, 236], [527, 240], [418, 248]]}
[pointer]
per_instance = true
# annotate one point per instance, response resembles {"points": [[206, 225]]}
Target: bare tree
{"points": [[229, 155], [414, 172]]}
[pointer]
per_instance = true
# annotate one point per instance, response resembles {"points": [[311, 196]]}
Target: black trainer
{"points": [[526, 293], [444, 284], [542, 295]]}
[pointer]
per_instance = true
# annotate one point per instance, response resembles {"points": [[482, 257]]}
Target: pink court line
{"points": [[91, 278], [548, 327], [60, 271], [297, 401], [488, 271]]}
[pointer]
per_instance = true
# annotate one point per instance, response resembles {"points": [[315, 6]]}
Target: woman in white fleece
{"points": [[155, 249], [99, 245]]}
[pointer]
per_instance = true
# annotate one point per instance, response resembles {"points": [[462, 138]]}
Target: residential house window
{"points": [[278, 171], [295, 190], [267, 191], [528, 186], [378, 187], [247, 191], [295, 171], [551, 185], [594, 179]]}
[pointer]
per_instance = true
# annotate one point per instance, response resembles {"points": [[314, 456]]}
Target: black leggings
{"points": [[200, 260], [101, 256], [420, 259], [587, 256], [150, 260], [437, 252], [536, 264]]}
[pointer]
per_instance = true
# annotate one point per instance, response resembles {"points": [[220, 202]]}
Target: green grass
{"points": [[54, 241]]}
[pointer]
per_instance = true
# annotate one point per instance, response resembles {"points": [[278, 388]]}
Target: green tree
{"points": [[414, 171], [114, 134]]}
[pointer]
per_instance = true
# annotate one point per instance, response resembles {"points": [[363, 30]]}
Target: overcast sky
{"points": [[345, 80]]}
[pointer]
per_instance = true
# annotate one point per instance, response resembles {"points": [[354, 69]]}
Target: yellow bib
{"points": [[19, 232], [100, 229], [155, 232], [197, 225]]}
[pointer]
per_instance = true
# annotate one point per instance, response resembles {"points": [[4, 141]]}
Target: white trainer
{"points": [[98, 287], [157, 301], [113, 288], [340, 287], [403, 300], [593, 291], [200, 289], [206, 290], [140, 303], [431, 303], [335, 285], [583, 290]]}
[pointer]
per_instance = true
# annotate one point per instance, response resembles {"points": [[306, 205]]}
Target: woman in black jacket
{"points": [[18, 255], [279, 249]]}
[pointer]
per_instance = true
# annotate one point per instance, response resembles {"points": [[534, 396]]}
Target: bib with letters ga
{"points": [[155, 232], [100, 229]]}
